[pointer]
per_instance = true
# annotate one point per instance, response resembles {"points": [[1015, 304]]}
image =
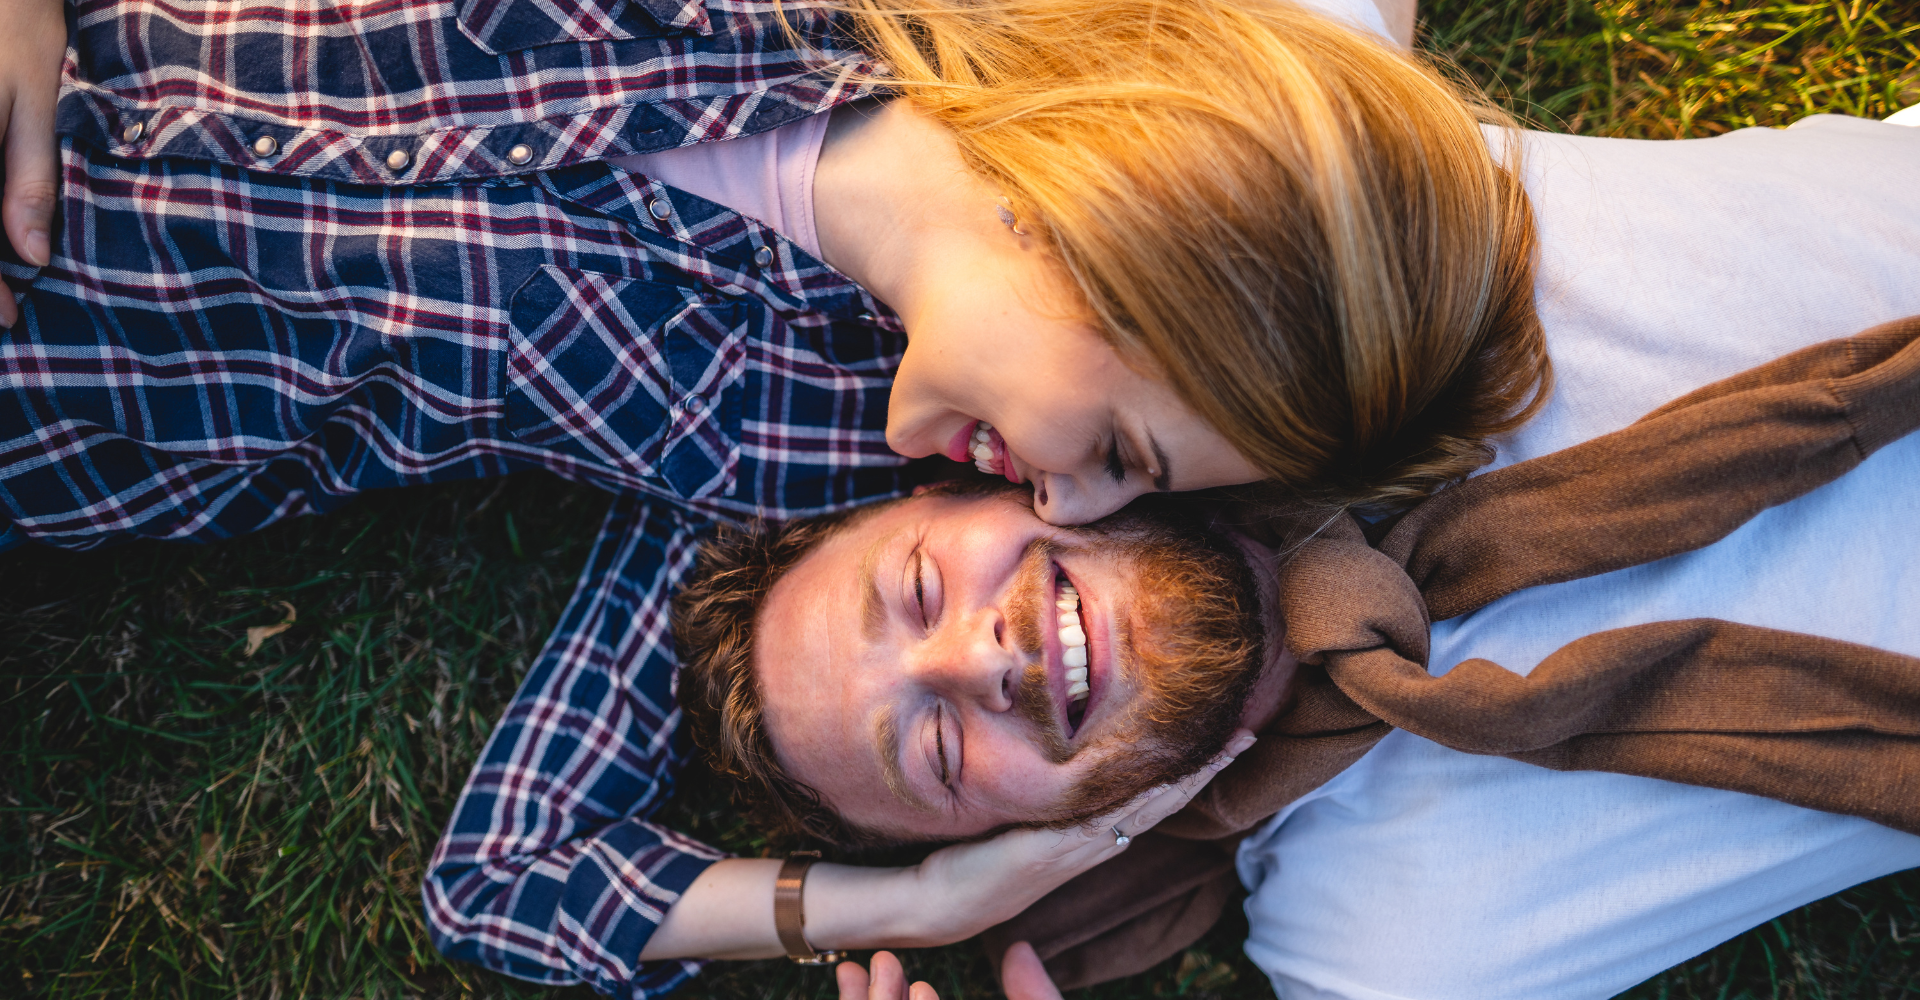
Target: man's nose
{"points": [[974, 659]]}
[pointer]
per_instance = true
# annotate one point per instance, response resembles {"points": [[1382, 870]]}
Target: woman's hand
{"points": [[36, 40], [962, 890], [955, 893], [1021, 975]]}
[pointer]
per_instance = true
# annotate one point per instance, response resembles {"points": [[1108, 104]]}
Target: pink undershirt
{"points": [[768, 176]]}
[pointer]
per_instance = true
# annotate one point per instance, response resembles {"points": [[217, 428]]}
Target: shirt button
{"points": [[520, 155], [695, 404], [265, 146], [398, 160], [762, 257], [132, 133], [659, 209]]}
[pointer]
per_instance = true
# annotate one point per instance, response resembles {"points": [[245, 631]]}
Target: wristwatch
{"points": [[789, 920]]}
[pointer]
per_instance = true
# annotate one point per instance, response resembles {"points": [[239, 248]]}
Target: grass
{"points": [[182, 817]]}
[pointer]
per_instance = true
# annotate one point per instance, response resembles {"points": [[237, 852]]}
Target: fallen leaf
{"points": [[261, 633]]}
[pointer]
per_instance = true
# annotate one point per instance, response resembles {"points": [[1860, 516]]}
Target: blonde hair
{"points": [[1299, 227]]}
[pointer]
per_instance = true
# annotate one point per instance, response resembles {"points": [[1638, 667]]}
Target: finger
{"points": [[32, 161], [889, 979], [32, 185], [1024, 977], [922, 991], [852, 980], [9, 310]]}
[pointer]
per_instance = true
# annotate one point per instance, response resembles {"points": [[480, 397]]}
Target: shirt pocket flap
{"points": [[638, 378], [501, 26]]}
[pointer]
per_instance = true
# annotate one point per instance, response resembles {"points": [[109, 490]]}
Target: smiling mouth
{"points": [[989, 453], [1073, 650]]}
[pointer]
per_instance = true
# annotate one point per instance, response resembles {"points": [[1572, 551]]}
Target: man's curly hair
{"points": [[713, 628]]}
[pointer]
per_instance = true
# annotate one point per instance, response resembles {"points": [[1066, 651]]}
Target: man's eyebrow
{"points": [[886, 742], [873, 607], [1164, 481]]}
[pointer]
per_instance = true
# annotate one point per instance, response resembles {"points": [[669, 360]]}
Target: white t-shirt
{"points": [[1424, 872]]}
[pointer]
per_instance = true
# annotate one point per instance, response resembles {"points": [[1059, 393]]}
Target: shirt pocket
{"points": [[638, 378], [502, 26]]}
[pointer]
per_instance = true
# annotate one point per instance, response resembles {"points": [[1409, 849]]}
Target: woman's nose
{"points": [[972, 660], [1062, 500]]}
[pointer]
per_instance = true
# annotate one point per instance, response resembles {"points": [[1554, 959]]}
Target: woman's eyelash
{"points": [[1115, 467]]}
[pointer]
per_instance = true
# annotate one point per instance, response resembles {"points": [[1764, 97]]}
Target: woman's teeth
{"points": [[1073, 636], [982, 449]]}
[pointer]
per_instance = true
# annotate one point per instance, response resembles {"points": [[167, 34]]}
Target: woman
{"points": [[364, 303]]}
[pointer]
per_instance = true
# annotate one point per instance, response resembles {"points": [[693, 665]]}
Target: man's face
{"points": [[914, 668]]}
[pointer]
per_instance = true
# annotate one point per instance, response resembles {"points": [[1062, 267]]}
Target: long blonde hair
{"points": [[1301, 228]]}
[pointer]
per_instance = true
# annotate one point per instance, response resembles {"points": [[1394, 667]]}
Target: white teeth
{"points": [[1073, 639], [982, 453]]}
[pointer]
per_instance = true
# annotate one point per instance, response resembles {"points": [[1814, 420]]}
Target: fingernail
{"points": [[36, 249], [1239, 746], [1220, 763]]}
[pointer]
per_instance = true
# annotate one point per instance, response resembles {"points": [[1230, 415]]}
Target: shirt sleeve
{"points": [[549, 870]]}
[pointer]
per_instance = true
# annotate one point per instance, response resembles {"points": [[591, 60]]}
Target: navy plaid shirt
{"points": [[311, 248]]}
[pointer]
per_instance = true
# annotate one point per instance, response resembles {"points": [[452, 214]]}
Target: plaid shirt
{"points": [[308, 249]]}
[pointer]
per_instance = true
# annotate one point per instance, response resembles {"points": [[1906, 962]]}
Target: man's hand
{"points": [[888, 981], [1021, 975], [35, 36]]}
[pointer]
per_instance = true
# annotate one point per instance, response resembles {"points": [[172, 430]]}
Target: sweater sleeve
{"points": [[549, 870]]}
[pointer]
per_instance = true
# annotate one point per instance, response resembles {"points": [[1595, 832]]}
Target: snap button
{"points": [[132, 133], [659, 209], [520, 155], [695, 404], [398, 160], [762, 257], [265, 146]]}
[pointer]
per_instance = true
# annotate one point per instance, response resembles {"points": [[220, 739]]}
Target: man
{"points": [[949, 665]]}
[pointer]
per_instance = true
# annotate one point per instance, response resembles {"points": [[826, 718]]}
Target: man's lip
{"points": [[961, 446]]}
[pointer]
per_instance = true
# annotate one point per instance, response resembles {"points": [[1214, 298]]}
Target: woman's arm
{"points": [[955, 893], [36, 40]]}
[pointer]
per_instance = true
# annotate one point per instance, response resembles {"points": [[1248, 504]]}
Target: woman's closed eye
{"points": [[1116, 466]]}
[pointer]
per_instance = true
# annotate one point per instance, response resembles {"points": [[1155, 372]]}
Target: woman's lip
{"points": [[961, 445], [1006, 461]]}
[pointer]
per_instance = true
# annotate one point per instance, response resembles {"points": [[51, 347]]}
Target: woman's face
{"points": [[1000, 372]]}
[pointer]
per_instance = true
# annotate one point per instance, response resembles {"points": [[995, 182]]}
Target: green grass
{"points": [[181, 818]]}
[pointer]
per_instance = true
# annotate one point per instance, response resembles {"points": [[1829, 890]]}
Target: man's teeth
{"points": [[1073, 636], [983, 448]]}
